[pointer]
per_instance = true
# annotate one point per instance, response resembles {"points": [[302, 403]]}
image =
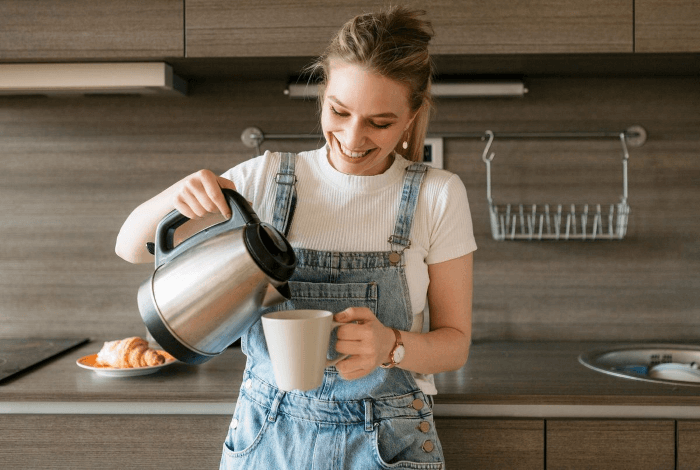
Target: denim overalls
{"points": [[379, 421]]}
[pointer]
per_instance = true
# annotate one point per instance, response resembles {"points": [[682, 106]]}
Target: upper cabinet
{"points": [[247, 28], [50, 30], [508, 27], [89, 30], [667, 26]]}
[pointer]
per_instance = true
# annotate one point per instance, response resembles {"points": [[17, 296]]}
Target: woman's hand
{"points": [[194, 196], [199, 194], [367, 341]]}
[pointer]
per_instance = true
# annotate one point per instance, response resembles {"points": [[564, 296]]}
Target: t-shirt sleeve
{"points": [[452, 234], [253, 179], [245, 174]]}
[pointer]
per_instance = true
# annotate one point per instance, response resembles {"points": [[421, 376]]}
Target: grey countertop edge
{"points": [[440, 410], [501, 380]]}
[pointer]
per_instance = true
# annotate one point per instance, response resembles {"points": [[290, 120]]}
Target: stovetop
{"points": [[20, 354]]}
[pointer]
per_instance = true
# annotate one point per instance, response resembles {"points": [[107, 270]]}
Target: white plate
{"points": [[675, 371], [88, 362]]}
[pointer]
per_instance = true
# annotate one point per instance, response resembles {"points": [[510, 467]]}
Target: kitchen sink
{"points": [[662, 363]]}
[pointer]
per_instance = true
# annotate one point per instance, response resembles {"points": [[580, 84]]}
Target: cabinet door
{"points": [[667, 26], [482, 444], [112, 441], [688, 445], [611, 444], [91, 29], [536, 26], [221, 28]]}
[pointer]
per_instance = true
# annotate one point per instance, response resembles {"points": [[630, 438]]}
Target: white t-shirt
{"points": [[340, 212]]}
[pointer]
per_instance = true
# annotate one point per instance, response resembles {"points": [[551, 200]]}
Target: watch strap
{"points": [[399, 342]]}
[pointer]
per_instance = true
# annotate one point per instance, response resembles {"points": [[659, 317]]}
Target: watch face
{"points": [[399, 353]]}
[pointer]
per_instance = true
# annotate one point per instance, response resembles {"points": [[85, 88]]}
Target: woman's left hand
{"points": [[367, 342]]}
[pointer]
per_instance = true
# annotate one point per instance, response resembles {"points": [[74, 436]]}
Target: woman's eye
{"points": [[335, 111], [373, 124]]}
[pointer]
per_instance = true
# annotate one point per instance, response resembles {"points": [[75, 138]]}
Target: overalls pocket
{"points": [[246, 430], [332, 296], [408, 442]]}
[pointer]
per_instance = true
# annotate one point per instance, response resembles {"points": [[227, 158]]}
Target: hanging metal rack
{"points": [[562, 221], [531, 221]]}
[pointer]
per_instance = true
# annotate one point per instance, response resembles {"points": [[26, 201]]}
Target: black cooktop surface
{"points": [[19, 354]]}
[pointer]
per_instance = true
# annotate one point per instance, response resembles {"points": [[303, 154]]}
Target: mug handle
{"points": [[332, 362]]}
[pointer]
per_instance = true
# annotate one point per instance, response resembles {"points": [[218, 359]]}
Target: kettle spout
{"points": [[276, 294]]}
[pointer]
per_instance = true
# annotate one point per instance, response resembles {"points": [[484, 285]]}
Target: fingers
{"points": [[217, 197], [353, 368], [358, 314], [200, 194], [225, 183], [365, 339]]}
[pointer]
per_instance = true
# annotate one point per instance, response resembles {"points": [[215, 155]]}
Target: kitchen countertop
{"points": [[501, 379]]}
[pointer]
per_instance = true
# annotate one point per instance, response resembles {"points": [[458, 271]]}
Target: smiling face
{"points": [[364, 116]]}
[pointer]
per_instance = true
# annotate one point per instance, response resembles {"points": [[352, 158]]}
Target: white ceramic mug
{"points": [[297, 341]]}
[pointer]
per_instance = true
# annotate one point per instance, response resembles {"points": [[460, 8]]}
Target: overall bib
{"points": [[380, 421]]}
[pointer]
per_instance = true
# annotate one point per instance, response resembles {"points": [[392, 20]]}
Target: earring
{"points": [[405, 142]]}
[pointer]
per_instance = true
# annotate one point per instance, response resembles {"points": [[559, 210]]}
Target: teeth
{"points": [[350, 154]]}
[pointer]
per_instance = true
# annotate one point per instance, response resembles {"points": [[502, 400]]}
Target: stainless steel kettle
{"points": [[209, 289]]}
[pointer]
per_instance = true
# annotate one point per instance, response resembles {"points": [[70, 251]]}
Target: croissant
{"points": [[128, 353]]}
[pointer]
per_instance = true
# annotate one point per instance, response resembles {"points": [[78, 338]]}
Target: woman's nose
{"points": [[354, 135]]}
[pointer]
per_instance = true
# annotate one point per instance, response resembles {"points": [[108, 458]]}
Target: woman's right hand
{"points": [[196, 196], [199, 194]]}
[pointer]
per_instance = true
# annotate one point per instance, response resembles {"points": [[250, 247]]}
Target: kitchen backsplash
{"points": [[74, 168]]}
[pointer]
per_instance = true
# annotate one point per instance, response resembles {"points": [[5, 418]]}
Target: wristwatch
{"points": [[397, 353]]}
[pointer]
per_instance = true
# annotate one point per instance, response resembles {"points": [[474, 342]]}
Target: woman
{"points": [[374, 233]]}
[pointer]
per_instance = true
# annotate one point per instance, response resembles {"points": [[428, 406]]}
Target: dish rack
{"points": [[518, 221]]}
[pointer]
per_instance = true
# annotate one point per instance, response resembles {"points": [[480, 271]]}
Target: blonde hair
{"points": [[392, 43]]}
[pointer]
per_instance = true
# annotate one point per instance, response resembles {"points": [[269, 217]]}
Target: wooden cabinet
{"points": [[221, 28], [610, 444], [538, 26], [75, 442], [667, 26], [79, 442], [159, 29], [91, 29], [483, 444], [688, 445]]}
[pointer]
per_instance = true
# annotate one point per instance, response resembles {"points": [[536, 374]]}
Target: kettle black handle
{"points": [[241, 214]]}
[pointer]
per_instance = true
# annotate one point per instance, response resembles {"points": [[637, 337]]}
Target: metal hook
{"points": [[625, 157], [487, 160], [485, 156]]}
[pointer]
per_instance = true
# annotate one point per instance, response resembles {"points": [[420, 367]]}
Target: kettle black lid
{"points": [[270, 250]]}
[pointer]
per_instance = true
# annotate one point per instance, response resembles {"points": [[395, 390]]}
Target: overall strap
{"points": [[286, 197], [407, 207]]}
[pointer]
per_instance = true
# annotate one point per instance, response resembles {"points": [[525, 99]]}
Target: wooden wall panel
{"points": [[91, 29], [72, 169]]}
